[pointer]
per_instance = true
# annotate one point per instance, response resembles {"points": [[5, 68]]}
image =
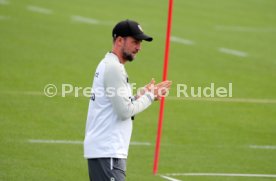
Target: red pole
{"points": [[162, 103]]}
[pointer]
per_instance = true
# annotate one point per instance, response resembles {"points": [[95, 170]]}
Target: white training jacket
{"points": [[109, 123]]}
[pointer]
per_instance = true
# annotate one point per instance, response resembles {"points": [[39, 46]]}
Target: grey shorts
{"points": [[107, 169]]}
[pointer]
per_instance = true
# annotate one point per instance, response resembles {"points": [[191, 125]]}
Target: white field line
{"points": [[223, 175], [84, 20], [140, 143], [169, 178], [233, 52], [37, 93], [79, 142], [81, 19], [170, 98], [4, 2], [181, 40], [31, 93], [56, 141], [267, 147], [238, 100], [245, 29], [37, 9], [4, 17], [270, 147]]}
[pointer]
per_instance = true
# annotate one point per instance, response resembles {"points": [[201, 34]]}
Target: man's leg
{"points": [[107, 169]]}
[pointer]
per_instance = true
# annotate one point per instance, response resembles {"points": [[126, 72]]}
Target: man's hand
{"points": [[161, 89], [145, 89], [158, 90]]}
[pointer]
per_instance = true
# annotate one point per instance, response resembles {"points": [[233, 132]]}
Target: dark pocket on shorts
{"points": [[119, 164]]}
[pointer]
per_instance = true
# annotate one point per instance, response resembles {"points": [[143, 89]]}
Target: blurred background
{"points": [[213, 41]]}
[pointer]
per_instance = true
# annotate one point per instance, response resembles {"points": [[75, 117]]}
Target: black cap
{"points": [[130, 28]]}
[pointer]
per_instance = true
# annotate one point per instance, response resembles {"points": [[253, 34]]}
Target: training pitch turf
{"points": [[213, 41]]}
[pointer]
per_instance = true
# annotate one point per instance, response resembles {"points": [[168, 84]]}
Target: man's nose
{"points": [[139, 47]]}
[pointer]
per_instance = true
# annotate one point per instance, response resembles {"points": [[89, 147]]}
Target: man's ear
{"points": [[120, 40]]}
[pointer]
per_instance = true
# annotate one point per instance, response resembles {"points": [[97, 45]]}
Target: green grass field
{"points": [[47, 45]]}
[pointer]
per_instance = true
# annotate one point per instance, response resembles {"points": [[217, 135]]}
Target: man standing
{"points": [[112, 106]]}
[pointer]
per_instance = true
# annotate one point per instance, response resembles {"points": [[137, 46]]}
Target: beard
{"points": [[128, 56]]}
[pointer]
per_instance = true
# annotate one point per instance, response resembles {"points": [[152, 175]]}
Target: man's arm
{"points": [[117, 89]]}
